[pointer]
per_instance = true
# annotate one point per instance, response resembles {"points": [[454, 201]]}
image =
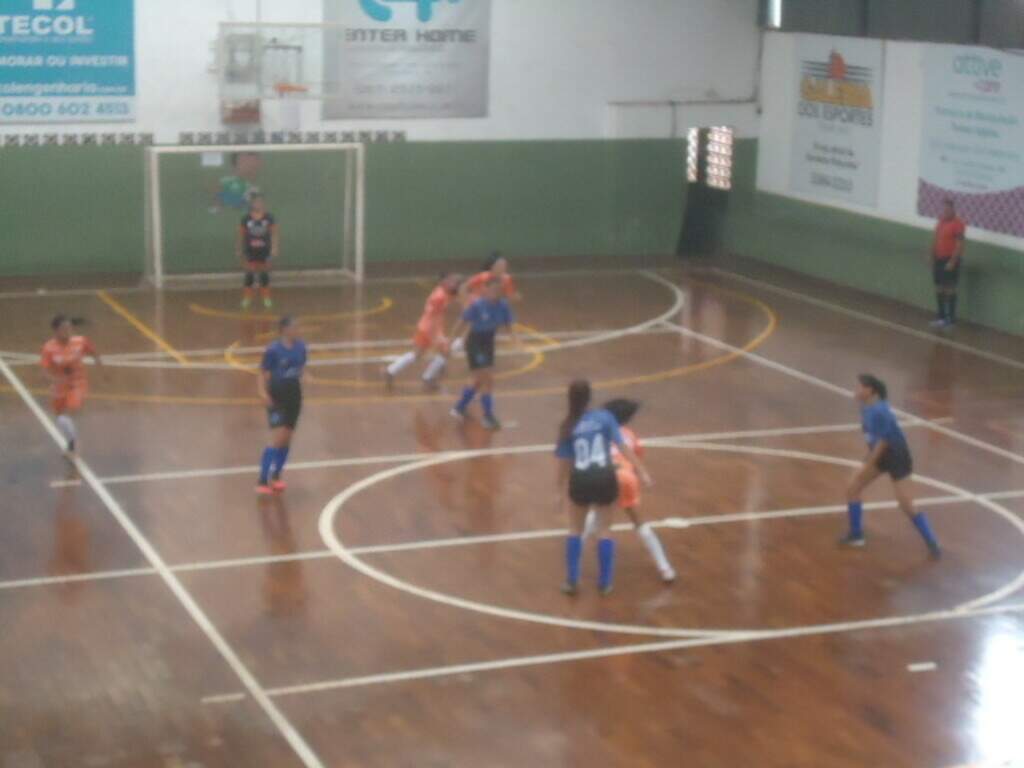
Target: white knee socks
{"points": [[434, 368], [67, 428], [653, 544], [402, 363]]}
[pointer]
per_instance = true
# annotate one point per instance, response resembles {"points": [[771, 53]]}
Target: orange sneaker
{"points": [[264, 490], [278, 486]]}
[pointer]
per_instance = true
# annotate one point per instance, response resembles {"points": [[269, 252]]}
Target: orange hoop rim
{"points": [[284, 88]]}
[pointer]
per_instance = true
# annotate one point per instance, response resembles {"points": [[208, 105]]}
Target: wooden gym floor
{"points": [[399, 605]]}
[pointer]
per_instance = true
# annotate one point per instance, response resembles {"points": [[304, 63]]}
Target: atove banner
{"points": [[972, 143]]}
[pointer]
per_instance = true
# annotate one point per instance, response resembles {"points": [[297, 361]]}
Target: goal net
{"points": [[197, 196]]}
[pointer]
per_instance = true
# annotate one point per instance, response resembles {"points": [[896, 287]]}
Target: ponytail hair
{"points": [[579, 399], [491, 260], [59, 320], [875, 384], [622, 409]]}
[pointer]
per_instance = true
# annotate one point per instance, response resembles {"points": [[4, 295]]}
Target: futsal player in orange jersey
{"points": [[63, 358], [495, 267], [429, 336], [629, 488]]}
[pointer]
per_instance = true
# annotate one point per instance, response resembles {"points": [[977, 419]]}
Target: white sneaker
{"points": [[938, 322]]}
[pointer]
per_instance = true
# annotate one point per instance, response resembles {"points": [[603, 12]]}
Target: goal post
{"points": [[197, 195]]}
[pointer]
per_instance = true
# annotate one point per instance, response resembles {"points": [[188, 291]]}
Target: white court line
{"points": [[333, 346], [922, 666], [930, 337], [296, 281], [330, 537], [585, 339], [577, 339], [1011, 587], [580, 339], [843, 392], [376, 549], [398, 458], [623, 650], [73, 578], [283, 725]]}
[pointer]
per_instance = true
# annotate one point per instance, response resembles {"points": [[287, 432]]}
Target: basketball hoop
{"points": [[240, 112], [284, 89]]}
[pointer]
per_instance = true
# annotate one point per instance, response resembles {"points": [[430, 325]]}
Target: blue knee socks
{"points": [[921, 523], [280, 457], [855, 511], [266, 462], [468, 393], [573, 551], [487, 401], [606, 561]]}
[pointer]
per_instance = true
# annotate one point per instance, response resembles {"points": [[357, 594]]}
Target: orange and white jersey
{"points": [[66, 362], [432, 321], [475, 285], [629, 438]]}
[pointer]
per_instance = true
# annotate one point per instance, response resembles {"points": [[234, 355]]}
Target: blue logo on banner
{"points": [[378, 9], [67, 60]]}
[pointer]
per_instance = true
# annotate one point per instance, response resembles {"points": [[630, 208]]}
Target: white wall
{"points": [[555, 66], [902, 109]]}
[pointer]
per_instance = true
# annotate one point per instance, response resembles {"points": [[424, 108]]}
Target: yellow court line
{"points": [[651, 378], [141, 327], [385, 304], [548, 341], [536, 360]]}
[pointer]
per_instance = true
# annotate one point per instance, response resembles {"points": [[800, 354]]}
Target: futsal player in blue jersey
{"points": [[280, 389], [477, 330], [888, 454], [586, 472]]}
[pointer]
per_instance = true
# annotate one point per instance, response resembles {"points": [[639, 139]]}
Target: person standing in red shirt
{"points": [[947, 253]]}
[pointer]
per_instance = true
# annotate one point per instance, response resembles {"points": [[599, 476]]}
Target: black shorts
{"points": [[286, 408], [945, 278], [593, 486], [897, 463], [480, 350]]}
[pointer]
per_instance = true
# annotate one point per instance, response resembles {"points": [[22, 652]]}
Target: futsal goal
{"points": [[197, 196]]}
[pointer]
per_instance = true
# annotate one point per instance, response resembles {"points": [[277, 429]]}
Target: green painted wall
{"points": [[864, 252], [432, 201], [73, 210], [304, 191]]}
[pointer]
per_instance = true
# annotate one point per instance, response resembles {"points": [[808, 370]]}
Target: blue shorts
{"points": [[286, 408], [897, 462], [480, 350], [593, 487]]}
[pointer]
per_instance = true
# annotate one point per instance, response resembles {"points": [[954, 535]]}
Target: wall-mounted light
{"points": [[719, 157], [692, 155]]}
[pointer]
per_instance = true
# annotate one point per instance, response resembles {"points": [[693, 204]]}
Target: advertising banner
{"points": [[406, 58], [972, 143], [837, 134], [67, 61]]}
